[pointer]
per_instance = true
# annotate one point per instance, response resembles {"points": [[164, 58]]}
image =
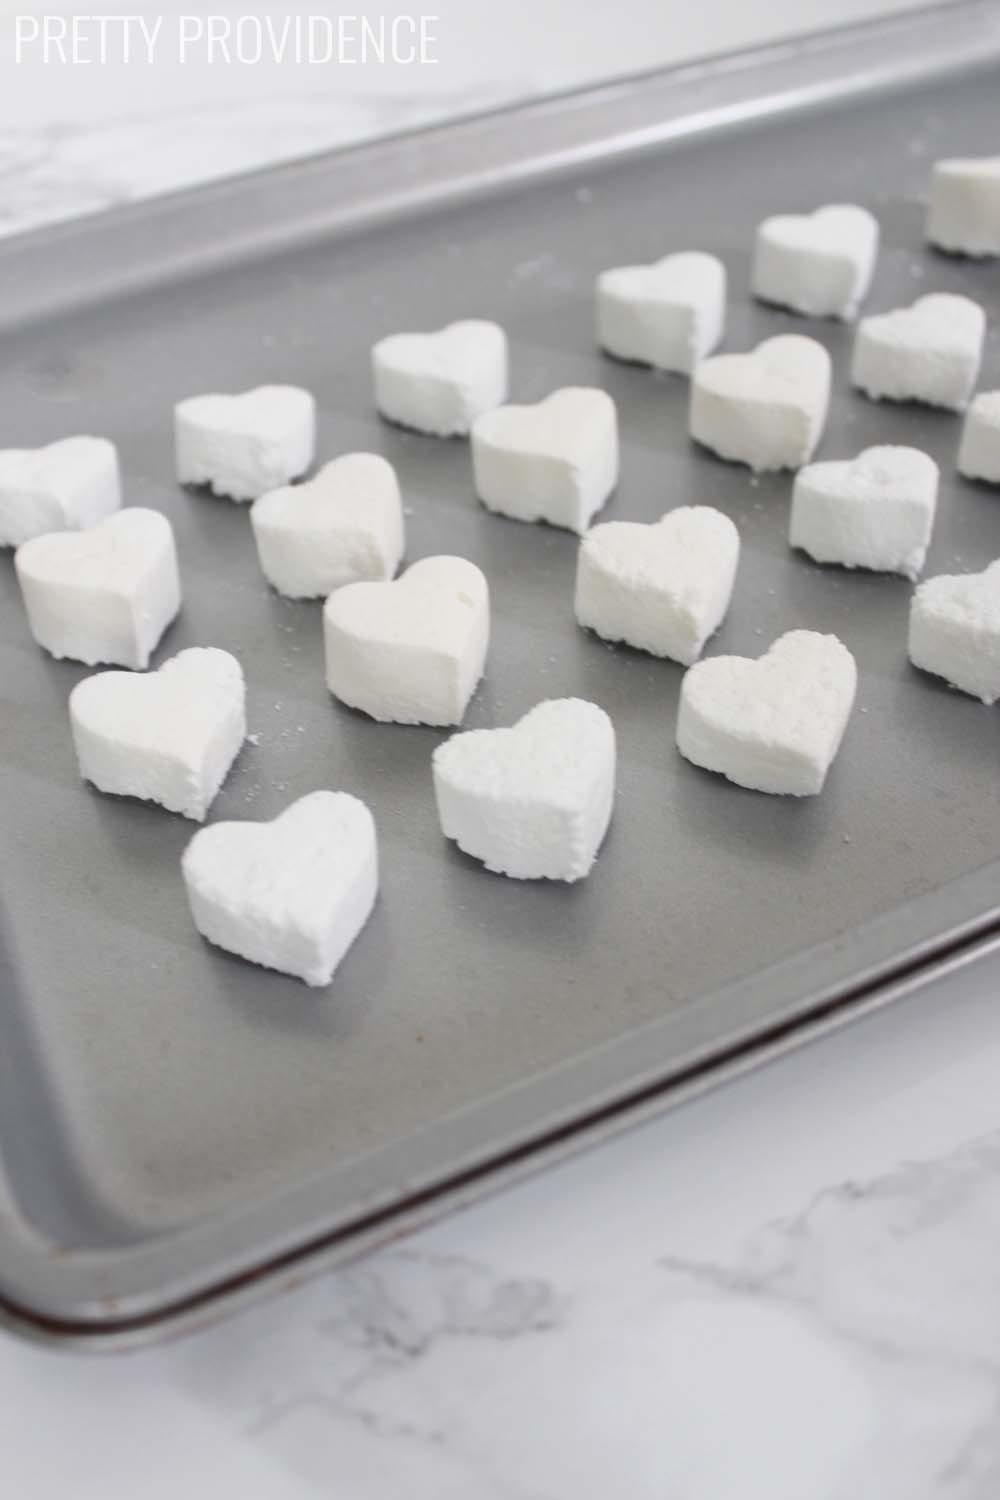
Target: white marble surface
{"points": [[74, 139], [789, 1289]]}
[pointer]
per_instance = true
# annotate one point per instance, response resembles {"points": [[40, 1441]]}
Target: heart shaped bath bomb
{"points": [[412, 651], [819, 263], [102, 595], [955, 630], [556, 461], [244, 445], [533, 801], [874, 511], [440, 382], [292, 894], [766, 408], [168, 736], [65, 486], [344, 526], [668, 315], [774, 724], [979, 454], [663, 588], [964, 213], [929, 352]]}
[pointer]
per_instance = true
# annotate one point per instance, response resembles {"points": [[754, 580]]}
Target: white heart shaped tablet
{"points": [[440, 382], [102, 595], [874, 511], [556, 461], [767, 408], [533, 801], [819, 263], [774, 724], [663, 588], [668, 315], [929, 352], [412, 651], [955, 630], [168, 736], [979, 454], [65, 486], [246, 444], [964, 213], [344, 526], [292, 894]]}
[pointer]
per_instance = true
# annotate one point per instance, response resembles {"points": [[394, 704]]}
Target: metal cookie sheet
{"points": [[177, 1127]]}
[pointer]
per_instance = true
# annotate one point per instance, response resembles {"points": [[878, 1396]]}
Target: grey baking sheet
{"points": [[174, 1121]]}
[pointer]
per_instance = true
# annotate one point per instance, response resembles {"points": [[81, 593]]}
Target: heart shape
{"points": [[292, 894], [168, 736], [669, 314], [64, 486], [533, 801], [766, 408], [979, 453], [556, 461], [819, 263], [344, 526], [102, 595], [440, 382], [874, 511], [928, 352], [663, 588], [955, 630], [243, 445], [774, 724], [410, 651], [964, 211]]}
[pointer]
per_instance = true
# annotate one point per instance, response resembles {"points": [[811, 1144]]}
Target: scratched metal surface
{"points": [[152, 1088]]}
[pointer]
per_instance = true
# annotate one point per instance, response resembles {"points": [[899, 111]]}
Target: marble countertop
{"points": [[787, 1289]]}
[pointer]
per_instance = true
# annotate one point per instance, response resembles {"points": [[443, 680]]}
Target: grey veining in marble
{"points": [[847, 1352]]}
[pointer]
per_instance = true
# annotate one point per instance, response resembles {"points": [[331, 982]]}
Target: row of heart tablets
{"points": [[533, 801], [556, 461], [662, 588]]}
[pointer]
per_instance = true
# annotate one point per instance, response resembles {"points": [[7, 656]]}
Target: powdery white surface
{"points": [[929, 352], [668, 315], [169, 736], [774, 724], [344, 526], [439, 383], [410, 651], [242, 446], [979, 453], [955, 630], [292, 894], [102, 595], [819, 263], [533, 801], [65, 486], [874, 511], [964, 211], [663, 588], [556, 461], [767, 408]]}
